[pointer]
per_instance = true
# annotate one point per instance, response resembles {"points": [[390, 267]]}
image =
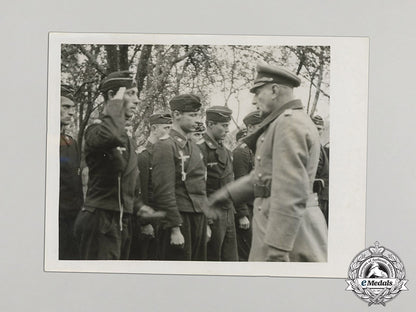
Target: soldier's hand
{"points": [[209, 232], [244, 223], [277, 255], [176, 238], [120, 93], [147, 213], [147, 230], [115, 107]]}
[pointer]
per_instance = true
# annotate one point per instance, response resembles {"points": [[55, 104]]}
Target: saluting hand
{"points": [[176, 238], [116, 107]]}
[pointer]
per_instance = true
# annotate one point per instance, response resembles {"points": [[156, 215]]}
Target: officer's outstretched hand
{"points": [[244, 223], [277, 255], [216, 201], [176, 237], [148, 214]]}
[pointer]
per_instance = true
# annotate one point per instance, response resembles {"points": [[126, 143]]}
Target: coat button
{"points": [[262, 139], [258, 157], [259, 208], [260, 175]]}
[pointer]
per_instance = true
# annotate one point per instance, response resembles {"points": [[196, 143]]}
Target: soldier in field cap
{"points": [[178, 178], [243, 164], [287, 222], [219, 163], [145, 234], [104, 224], [70, 190]]}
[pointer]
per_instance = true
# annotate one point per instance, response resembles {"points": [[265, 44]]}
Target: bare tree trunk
{"points": [[112, 58], [123, 57], [142, 66], [318, 89]]}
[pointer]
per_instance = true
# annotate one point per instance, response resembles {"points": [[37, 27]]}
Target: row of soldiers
{"points": [[186, 196]]}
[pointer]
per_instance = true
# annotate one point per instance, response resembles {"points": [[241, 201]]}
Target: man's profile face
{"points": [[187, 120], [130, 102], [264, 98], [219, 130], [67, 111]]}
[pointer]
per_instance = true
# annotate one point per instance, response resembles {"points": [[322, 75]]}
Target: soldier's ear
{"points": [[275, 89]]}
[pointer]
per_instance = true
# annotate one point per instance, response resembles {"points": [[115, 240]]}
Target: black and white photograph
{"points": [[202, 154]]}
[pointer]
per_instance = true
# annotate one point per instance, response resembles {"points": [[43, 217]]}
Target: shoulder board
{"points": [[288, 112]]}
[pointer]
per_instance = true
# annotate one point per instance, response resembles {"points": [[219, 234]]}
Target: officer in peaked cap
{"points": [[288, 224], [70, 190], [218, 159], [178, 178], [145, 242], [243, 164]]}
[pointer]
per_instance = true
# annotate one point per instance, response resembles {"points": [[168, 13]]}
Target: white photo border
{"points": [[348, 137]]}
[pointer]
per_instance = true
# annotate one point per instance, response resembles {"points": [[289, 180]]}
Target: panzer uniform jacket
{"points": [[178, 178], [145, 169], [286, 212], [109, 152]]}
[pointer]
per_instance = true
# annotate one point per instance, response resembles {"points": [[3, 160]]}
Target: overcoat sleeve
{"points": [[163, 180], [290, 182]]}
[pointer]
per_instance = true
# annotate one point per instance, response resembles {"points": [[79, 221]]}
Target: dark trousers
{"points": [[194, 231], [244, 238], [223, 243], [144, 247], [68, 247], [99, 236]]}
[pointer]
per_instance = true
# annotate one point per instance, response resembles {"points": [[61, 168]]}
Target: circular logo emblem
{"points": [[376, 275]]}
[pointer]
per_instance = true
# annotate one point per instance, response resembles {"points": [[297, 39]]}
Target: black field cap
{"points": [[118, 79], [67, 91], [219, 113], [240, 134], [199, 127], [274, 74], [318, 120], [160, 119], [185, 103], [253, 118]]}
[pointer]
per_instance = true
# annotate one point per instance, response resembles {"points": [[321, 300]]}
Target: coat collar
{"points": [[251, 139], [178, 138], [210, 141]]}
